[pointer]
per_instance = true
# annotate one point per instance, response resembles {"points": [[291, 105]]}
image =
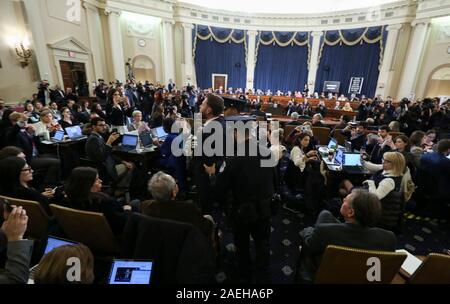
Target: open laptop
{"points": [[146, 139], [129, 143], [52, 243], [75, 133], [351, 164], [160, 133], [131, 272], [57, 137], [337, 160]]}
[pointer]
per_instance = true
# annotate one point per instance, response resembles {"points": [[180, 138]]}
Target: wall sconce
{"points": [[24, 53]]}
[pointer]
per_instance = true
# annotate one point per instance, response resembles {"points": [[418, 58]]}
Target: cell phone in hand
{"points": [[7, 206]]}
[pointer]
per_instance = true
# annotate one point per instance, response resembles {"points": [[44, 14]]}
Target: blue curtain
{"points": [[281, 68], [212, 57], [341, 62]]}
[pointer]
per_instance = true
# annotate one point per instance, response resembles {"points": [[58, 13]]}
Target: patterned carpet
{"points": [[421, 236]]}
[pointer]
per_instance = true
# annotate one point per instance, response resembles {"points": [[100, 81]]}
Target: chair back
{"points": [[89, 228], [344, 265], [435, 269], [321, 134], [38, 219]]}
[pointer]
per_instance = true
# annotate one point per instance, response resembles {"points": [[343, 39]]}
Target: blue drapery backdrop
{"points": [[282, 61], [351, 53], [220, 51]]}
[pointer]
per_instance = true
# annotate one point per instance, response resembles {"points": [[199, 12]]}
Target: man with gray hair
{"points": [[164, 190], [294, 121]]}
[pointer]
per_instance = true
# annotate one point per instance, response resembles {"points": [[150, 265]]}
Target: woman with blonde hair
{"points": [[55, 269], [386, 184], [347, 107]]}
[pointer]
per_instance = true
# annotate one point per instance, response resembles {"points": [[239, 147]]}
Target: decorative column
{"points": [[187, 54], [385, 76], [168, 54], [314, 61], [94, 38], [38, 40], [115, 35], [412, 62], [251, 48]]}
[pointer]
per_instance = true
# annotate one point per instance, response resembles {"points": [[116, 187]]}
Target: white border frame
{"points": [[220, 75]]}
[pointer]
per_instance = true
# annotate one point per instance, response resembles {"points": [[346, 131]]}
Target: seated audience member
{"points": [[97, 111], [53, 268], [257, 111], [402, 145], [175, 164], [80, 115], [294, 121], [19, 250], [347, 107], [22, 136], [276, 143], [83, 192], [46, 124], [14, 182], [356, 136], [417, 140], [394, 126], [429, 140], [317, 121], [32, 115], [361, 210], [164, 191], [381, 146], [386, 185], [343, 123], [138, 124], [67, 120], [337, 105], [100, 152], [321, 109], [53, 108]]}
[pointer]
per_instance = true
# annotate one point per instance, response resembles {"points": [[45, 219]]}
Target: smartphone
{"points": [[114, 131], [7, 206]]}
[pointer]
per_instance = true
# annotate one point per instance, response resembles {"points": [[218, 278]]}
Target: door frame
{"points": [[220, 75]]}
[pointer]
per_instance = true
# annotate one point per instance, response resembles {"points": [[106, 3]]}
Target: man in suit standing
{"points": [[360, 210], [100, 152], [58, 95], [211, 109], [44, 94], [171, 86]]}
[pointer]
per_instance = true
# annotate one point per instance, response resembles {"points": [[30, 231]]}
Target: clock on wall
{"points": [[142, 43]]}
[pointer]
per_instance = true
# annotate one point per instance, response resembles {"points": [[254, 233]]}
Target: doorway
{"points": [[74, 76], [219, 80]]}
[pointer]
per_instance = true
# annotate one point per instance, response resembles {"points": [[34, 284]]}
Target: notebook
{"points": [[132, 272], [411, 263]]}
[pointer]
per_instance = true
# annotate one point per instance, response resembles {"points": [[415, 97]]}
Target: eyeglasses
{"points": [[27, 170]]}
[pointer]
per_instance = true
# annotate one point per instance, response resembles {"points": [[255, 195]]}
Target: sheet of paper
{"points": [[411, 264]]}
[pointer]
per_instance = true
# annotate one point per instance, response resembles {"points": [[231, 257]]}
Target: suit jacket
{"points": [[17, 265], [329, 231], [100, 153], [20, 138], [180, 252]]}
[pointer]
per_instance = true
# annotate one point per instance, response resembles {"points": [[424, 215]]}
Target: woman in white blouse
{"points": [[298, 155]]}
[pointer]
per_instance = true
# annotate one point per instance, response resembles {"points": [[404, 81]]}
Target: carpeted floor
{"points": [[421, 236]]}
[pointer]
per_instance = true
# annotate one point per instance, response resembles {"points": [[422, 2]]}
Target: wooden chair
{"points": [[339, 137], [38, 219], [435, 269], [344, 265], [89, 228], [321, 134]]}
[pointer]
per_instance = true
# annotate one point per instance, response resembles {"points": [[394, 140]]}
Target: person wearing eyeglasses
{"points": [[14, 182], [386, 184]]}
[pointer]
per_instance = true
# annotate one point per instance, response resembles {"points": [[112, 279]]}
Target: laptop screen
{"points": [[160, 132], [339, 156], [146, 139], [74, 132], [59, 135], [129, 140], [53, 243], [130, 272], [332, 143], [352, 160]]}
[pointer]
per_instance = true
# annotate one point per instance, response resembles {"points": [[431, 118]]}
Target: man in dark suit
{"points": [[356, 135], [294, 121], [258, 112], [211, 109], [360, 210], [44, 94], [70, 95], [19, 250], [170, 86], [252, 184], [58, 95], [100, 152]]}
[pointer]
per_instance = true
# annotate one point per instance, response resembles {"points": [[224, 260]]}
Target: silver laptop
{"points": [[75, 133], [131, 272]]}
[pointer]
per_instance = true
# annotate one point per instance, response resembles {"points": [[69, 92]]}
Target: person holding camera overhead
{"points": [[356, 134]]}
